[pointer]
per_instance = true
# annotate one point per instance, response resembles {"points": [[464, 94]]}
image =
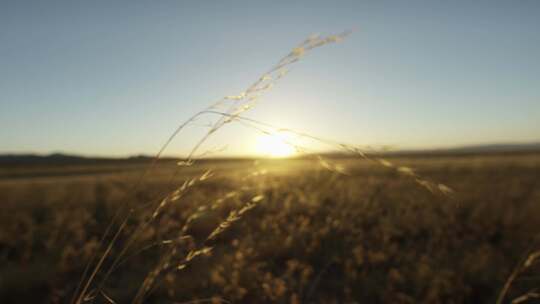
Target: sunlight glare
{"points": [[274, 145]]}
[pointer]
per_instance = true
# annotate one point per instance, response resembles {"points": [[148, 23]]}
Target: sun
{"points": [[275, 145]]}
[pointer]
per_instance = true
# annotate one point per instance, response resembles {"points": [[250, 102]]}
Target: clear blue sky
{"points": [[116, 77]]}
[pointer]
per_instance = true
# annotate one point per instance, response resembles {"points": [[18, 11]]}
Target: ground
{"points": [[308, 235]]}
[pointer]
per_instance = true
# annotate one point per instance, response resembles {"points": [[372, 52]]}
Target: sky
{"points": [[115, 78]]}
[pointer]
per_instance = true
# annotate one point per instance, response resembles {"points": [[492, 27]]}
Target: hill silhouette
{"points": [[69, 159]]}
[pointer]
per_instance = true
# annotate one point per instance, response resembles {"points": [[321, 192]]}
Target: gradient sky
{"points": [[117, 77]]}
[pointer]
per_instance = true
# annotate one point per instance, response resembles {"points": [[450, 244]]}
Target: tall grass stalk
{"points": [[229, 109], [234, 105]]}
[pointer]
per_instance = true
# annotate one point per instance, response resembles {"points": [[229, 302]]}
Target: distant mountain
{"points": [[475, 149], [490, 149], [503, 148], [67, 159]]}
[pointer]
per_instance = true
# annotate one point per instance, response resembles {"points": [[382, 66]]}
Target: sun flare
{"points": [[275, 145]]}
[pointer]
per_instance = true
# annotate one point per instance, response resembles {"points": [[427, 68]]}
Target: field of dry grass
{"points": [[310, 235]]}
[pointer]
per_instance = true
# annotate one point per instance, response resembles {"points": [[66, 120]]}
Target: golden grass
{"points": [[229, 109], [234, 106], [316, 236]]}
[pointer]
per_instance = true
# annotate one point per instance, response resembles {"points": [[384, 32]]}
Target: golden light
{"points": [[274, 145]]}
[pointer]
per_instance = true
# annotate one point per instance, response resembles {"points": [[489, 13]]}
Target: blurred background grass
{"points": [[317, 236]]}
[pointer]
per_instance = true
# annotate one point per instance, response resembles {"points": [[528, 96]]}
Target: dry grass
{"points": [[234, 106], [317, 236]]}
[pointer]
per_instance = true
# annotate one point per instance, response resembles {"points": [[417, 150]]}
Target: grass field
{"points": [[313, 236]]}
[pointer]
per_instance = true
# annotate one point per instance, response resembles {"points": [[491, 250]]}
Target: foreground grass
{"points": [[316, 236]]}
